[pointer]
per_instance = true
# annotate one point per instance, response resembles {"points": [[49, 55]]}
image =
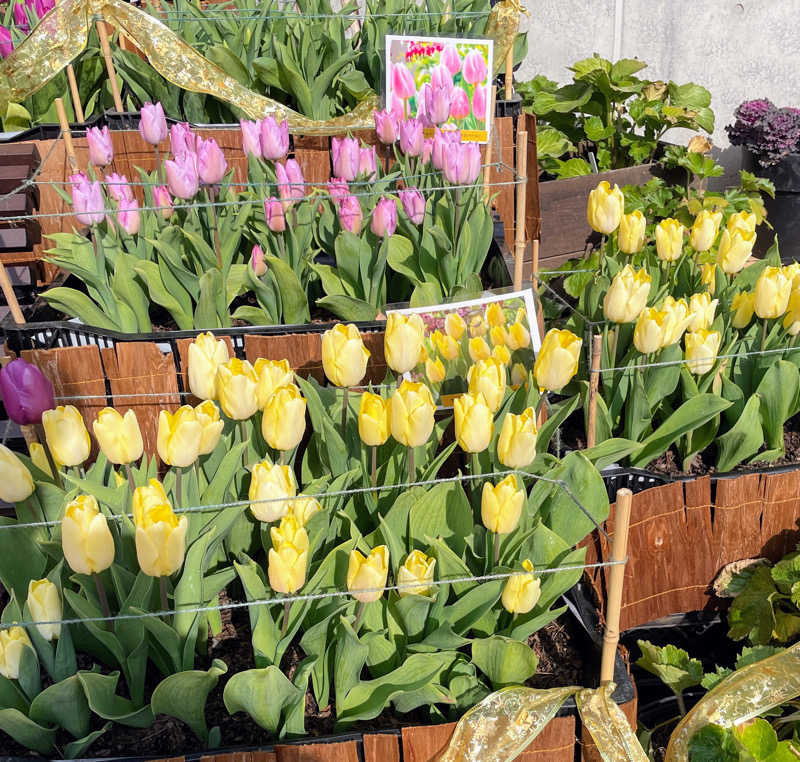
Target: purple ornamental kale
{"points": [[766, 131]]}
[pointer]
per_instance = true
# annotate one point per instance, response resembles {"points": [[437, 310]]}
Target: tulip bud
{"points": [[274, 138], [677, 320], [517, 336], [403, 85], [272, 375], [502, 354], [479, 349], [451, 59], [772, 291], [497, 335], [128, 216], [521, 591], [462, 163], [182, 140], [66, 435], [44, 602], [16, 482], [519, 375], [557, 361], [304, 508], [367, 163], [495, 315], [119, 437], [179, 435], [605, 208], [26, 392], [627, 295], [291, 183], [630, 237], [384, 218], [160, 535], [669, 239], [791, 320], [475, 67], [118, 187], [257, 260], [473, 422], [162, 199], [236, 383], [704, 230], [417, 569], [516, 446], [735, 247], [403, 341], [708, 277], [386, 126], [85, 537], [650, 333], [701, 310], [207, 415], [445, 345], [742, 307], [206, 354], [350, 215], [488, 376], [413, 205], [6, 43], [701, 350], [288, 556], [251, 137], [412, 412], [101, 149], [12, 641], [87, 200], [477, 326], [365, 573], [443, 143], [435, 371], [459, 104], [283, 422], [272, 489], [501, 505], [454, 325], [479, 102], [152, 123], [273, 211], [182, 178], [744, 222], [346, 156], [344, 356], [211, 164], [374, 416]]}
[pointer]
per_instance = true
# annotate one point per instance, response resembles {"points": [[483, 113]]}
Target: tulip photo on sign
{"points": [[443, 82]]}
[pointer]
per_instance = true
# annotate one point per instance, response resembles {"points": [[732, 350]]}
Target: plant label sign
{"points": [[444, 81]]}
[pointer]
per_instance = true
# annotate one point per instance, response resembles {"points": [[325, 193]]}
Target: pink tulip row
{"points": [[40, 8]]}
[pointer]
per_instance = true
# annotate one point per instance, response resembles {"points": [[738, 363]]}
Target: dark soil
{"points": [[560, 660]]}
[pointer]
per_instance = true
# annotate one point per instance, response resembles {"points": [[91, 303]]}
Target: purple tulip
{"points": [[346, 158], [384, 218], [274, 138], [87, 200], [459, 105], [128, 216], [442, 140], [251, 138], [479, 102], [21, 18], [118, 188], [412, 139], [350, 214], [6, 44], [181, 139], [26, 392], [43, 7], [161, 198], [211, 164], [257, 260], [182, 178], [152, 123], [413, 205], [427, 150], [474, 67], [422, 105], [101, 150], [451, 59], [338, 189], [462, 163], [291, 183], [439, 95], [273, 211], [367, 163], [386, 126], [403, 81]]}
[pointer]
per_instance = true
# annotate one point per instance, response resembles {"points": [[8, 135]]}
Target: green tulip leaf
{"points": [[104, 702], [778, 392], [503, 660], [743, 440], [20, 559], [63, 704], [264, 694], [26, 732], [442, 512], [79, 747], [348, 307]]}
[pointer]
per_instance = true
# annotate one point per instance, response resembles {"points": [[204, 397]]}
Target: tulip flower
{"points": [[488, 376], [435, 371], [669, 239], [772, 291], [274, 138], [427, 150], [445, 345], [179, 436], [386, 126], [257, 260], [152, 123], [211, 164], [344, 356], [346, 156], [118, 187], [128, 216], [462, 163], [85, 537], [791, 320], [101, 149], [517, 336], [338, 190], [119, 436], [182, 140], [44, 603], [516, 446], [474, 426], [454, 325], [26, 392], [502, 354], [16, 482], [276, 220], [417, 570], [605, 208], [650, 333], [495, 315], [403, 85], [160, 535], [367, 163], [284, 418], [350, 215], [12, 641], [403, 341], [438, 96], [501, 505], [87, 200], [412, 139], [630, 237], [519, 375], [704, 230], [701, 350], [66, 435], [384, 218], [236, 383], [162, 199], [413, 205], [735, 248], [374, 417], [251, 137], [272, 491], [497, 335], [708, 276], [475, 68], [678, 318], [479, 102], [627, 295], [478, 349], [291, 183], [6, 43], [459, 105], [557, 361], [365, 574], [451, 59], [742, 307], [521, 591], [182, 178], [701, 311], [304, 508], [288, 556], [272, 375], [412, 412], [744, 222], [21, 18], [206, 354], [443, 142]]}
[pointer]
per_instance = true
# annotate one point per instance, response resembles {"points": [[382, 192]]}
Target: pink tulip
{"points": [[118, 188], [479, 103], [413, 205], [161, 198], [87, 200], [101, 150], [274, 138], [181, 139], [423, 96], [386, 126], [21, 18], [442, 139], [474, 67], [291, 183], [367, 162], [384, 218], [459, 105], [6, 44], [251, 138], [462, 163], [128, 216], [257, 259], [346, 158], [451, 59], [397, 110], [211, 164], [338, 189], [43, 7], [439, 95], [412, 140], [427, 150], [350, 214], [182, 178], [152, 123], [273, 211], [403, 81]]}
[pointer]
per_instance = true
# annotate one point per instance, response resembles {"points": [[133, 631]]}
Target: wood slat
{"points": [[503, 151], [737, 519], [346, 751], [424, 744], [302, 350], [779, 528], [533, 211], [381, 747]]}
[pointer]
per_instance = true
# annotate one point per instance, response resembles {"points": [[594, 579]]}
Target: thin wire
{"points": [[28, 181], [348, 18]]}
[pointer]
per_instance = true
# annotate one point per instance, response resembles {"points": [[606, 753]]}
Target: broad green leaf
{"points": [[27, 732], [751, 614], [351, 655], [20, 559], [103, 701], [743, 440], [713, 744], [503, 660], [63, 704], [79, 305], [264, 694], [671, 664], [348, 307], [444, 512], [293, 296], [778, 390]]}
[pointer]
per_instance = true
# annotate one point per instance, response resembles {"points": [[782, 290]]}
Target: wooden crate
{"points": [[18, 161]]}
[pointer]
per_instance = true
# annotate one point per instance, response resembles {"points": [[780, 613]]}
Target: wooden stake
{"points": [[510, 73], [519, 216], [594, 378], [11, 297], [622, 519], [488, 158], [66, 135], [76, 99], [102, 33]]}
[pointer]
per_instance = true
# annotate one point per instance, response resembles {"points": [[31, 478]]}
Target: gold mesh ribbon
{"points": [[609, 727]]}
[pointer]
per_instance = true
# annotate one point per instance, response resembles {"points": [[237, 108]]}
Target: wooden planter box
{"points": [[17, 239]]}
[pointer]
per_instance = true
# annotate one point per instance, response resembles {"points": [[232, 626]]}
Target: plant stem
{"points": [[763, 333], [614, 343], [681, 704], [196, 467], [162, 586], [179, 487], [131, 480], [540, 404], [42, 437], [283, 457], [374, 465], [344, 411], [285, 626], [215, 226], [359, 614], [496, 544], [101, 594], [243, 432], [159, 167], [77, 472], [411, 469]]}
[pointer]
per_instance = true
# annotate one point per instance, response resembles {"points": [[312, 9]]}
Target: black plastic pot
{"points": [[783, 211]]}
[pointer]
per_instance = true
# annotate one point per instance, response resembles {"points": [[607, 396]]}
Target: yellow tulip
{"points": [[669, 239], [445, 344], [651, 330], [365, 573], [85, 537], [557, 361], [434, 370], [304, 507], [627, 295], [272, 375], [374, 419], [742, 221], [473, 422], [284, 420], [502, 354], [344, 356], [516, 446], [16, 482], [403, 341], [160, 535], [701, 350], [119, 436], [179, 435], [206, 354], [708, 277], [704, 230], [12, 641], [772, 291], [423, 355], [501, 505], [477, 326], [207, 415], [44, 602], [38, 458], [478, 349], [497, 335], [518, 336], [488, 377], [792, 272], [678, 318], [417, 568], [495, 316], [521, 591], [237, 385], [735, 247], [272, 491], [701, 311], [519, 375], [742, 307], [66, 435], [791, 320], [454, 325], [412, 412], [288, 556], [631, 233], [605, 208]]}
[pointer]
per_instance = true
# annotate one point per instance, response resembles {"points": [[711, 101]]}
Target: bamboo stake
{"points": [[509, 73], [622, 518], [489, 140], [76, 99], [66, 135], [519, 216], [11, 297], [102, 33], [594, 378]]}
